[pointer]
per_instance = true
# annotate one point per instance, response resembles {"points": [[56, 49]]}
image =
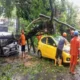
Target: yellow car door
{"points": [[50, 48], [42, 46]]}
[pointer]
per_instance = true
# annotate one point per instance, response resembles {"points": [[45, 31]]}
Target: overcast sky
{"points": [[76, 2]]}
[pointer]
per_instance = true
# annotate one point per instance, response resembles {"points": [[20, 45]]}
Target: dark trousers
{"points": [[58, 54]]}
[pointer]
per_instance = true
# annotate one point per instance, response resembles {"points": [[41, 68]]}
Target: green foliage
{"points": [[72, 14], [1, 10], [65, 12], [13, 13], [38, 70], [35, 41], [38, 7], [30, 10], [8, 7], [23, 24]]}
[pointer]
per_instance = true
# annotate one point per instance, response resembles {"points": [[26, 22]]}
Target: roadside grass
{"points": [[38, 69]]}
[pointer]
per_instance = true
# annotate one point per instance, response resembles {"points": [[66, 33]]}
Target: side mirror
{"points": [[54, 45]]}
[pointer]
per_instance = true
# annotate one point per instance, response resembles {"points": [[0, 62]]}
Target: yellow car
{"points": [[47, 48]]}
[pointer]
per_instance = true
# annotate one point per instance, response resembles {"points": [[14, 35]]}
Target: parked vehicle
{"points": [[8, 44], [47, 48]]}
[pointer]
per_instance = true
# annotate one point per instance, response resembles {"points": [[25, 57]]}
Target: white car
{"points": [[8, 44]]}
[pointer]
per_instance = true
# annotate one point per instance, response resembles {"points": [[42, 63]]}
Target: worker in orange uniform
{"points": [[59, 51], [74, 51], [22, 43]]}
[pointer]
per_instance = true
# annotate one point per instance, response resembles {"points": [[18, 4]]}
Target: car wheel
{"points": [[39, 54]]}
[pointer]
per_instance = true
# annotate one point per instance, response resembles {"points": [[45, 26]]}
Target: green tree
{"points": [[8, 7], [30, 9]]}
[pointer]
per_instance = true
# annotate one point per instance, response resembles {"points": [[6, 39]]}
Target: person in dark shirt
{"points": [[60, 46]]}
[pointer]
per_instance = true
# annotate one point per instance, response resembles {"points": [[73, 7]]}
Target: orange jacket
{"points": [[74, 46], [22, 39]]}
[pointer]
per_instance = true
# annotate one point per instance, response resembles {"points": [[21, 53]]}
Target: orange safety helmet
{"points": [[64, 34]]}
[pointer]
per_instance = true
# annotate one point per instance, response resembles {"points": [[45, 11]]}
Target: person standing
{"points": [[60, 46], [74, 51], [72, 33], [22, 43]]}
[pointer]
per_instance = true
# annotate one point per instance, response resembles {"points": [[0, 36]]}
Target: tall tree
{"points": [[8, 7], [30, 9]]}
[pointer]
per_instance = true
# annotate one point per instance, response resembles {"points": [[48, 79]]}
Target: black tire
{"points": [[39, 54]]}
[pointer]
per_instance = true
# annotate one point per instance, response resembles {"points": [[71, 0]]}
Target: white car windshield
{"points": [[57, 38]]}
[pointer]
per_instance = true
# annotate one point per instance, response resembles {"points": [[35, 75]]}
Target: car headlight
{"points": [[68, 59]]}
